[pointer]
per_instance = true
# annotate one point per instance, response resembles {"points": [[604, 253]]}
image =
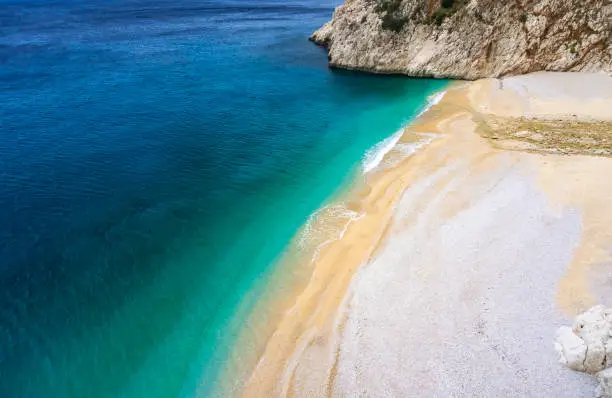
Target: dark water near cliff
{"points": [[155, 158]]}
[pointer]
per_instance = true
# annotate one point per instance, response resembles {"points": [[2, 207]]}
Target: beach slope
{"points": [[481, 244]]}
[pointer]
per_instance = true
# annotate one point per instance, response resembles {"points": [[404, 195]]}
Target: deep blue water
{"points": [[156, 156]]}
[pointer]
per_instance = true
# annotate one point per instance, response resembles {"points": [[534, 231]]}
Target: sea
{"points": [[157, 157]]}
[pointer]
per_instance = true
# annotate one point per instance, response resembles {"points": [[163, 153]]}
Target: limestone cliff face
{"points": [[469, 39]]}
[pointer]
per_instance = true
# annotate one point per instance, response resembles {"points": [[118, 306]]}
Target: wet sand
{"points": [[463, 260]]}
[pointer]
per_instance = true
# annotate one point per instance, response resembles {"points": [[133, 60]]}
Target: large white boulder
{"points": [[571, 349], [604, 390], [587, 346]]}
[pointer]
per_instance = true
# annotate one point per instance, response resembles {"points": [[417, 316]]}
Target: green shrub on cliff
{"points": [[393, 23], [387, 6], [447, 8], [389, 12], [441, 14]]}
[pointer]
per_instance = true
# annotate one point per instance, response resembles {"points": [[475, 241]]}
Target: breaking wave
{"points": [[375, 155]]}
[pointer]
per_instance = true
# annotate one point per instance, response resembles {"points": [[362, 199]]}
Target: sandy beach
{"points": [[464, 257]]}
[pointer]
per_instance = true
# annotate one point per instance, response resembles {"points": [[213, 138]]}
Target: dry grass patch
{"points": [[550, 135]]}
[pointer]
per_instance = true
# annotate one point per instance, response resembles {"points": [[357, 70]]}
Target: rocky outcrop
{"points": [[587, 346], [469, 39]]}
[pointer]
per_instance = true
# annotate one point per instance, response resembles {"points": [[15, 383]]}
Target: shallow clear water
{"points": [[155, 159]]}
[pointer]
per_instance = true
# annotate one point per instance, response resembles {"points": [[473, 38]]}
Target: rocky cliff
{"points": [[469, 39]]}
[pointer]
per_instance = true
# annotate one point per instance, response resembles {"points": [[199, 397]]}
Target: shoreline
{"points": [[484, 260], [266, 303], [315, 268], [315, 349], [364, 194]]}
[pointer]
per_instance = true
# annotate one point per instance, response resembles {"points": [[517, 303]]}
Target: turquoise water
{"points": [[155, 160]]}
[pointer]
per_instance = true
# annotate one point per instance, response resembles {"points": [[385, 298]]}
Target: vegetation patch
{"points": [[572, 48], [393, 22], [388, 6], [447, 9], [390, 14], [575, 137]]}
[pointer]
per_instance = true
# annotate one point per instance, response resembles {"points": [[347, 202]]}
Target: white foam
{"points": [[409, 149], [323, 223], [436, 98], [375, 155], [432, 100]]}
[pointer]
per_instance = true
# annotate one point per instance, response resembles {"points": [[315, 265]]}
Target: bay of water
{"points": [[156, 157]]}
